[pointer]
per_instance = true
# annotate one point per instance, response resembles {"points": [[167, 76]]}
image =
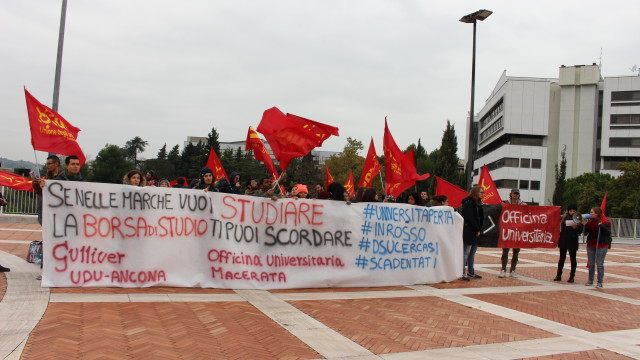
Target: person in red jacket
{"points": [[598, 243]]}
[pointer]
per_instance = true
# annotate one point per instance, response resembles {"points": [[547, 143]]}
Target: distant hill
{"points": [[21, 164]]}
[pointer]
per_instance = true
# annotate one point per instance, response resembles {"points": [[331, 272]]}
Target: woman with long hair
{"points": [[598, 243], [415, 199], [472, 214], [134, 178]]}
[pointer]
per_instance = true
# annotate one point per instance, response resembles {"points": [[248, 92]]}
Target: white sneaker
{"points": [[38, 277], [502, 274], [513, 274]]}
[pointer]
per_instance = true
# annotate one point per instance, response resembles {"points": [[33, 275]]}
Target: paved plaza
{"points": [[531, 317]]}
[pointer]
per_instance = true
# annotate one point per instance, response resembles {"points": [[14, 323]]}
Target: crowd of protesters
{"points": [[598, 232]]}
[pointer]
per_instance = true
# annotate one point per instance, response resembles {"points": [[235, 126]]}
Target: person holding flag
{"points": [[598, 231]]}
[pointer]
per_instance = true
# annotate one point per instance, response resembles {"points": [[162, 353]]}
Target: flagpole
{"points": [[384, 188], [37, 165]]}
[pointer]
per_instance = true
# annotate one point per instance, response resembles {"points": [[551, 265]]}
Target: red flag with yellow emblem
{"points": [[348, 185], [491, 195], [400, 169], [51, 132], [371, 167], [15, 182], [216, 166], [260, 151], [328, 178], [292, 136]]}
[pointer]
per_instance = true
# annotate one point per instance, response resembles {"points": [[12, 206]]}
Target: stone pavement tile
{"points": [[17, 249], [550, 258], [415, 323], [547, 273], [345, 289], [622, 258], [633, 293], [488, 280], [17, 235], [24, 226], [579, 310], [630, 271], [147, 290], [583, 355], [161, 331], [3, 285]]}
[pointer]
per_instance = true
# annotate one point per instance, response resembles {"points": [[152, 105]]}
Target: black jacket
{"points": [[473, 214], [569, 237]]}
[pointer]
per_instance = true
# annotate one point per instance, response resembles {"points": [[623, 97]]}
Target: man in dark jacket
{"points": [[72, 170], [473, 215], [53, 170]]}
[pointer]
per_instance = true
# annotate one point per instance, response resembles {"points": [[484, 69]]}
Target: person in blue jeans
{"points": [[598, 230], [472, 213]]}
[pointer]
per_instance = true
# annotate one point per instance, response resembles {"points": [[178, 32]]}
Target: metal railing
{"points": [[24, 202], [18, 202]]}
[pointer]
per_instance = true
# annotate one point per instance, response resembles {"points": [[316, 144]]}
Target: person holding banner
{"points": [[514, 198], [472, 213], [134, 178], [206, 181], [53, 169], [72, 170], [569, 235], [598, 230]]}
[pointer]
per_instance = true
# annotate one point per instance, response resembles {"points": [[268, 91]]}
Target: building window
{"points": [[506, 183], [525, 163], [492, 114], [625, 95], [535, 185], [495, 127], [611, 163], [526, 141], [524, 184], [625, 119], [536, 164], [624, 142]]}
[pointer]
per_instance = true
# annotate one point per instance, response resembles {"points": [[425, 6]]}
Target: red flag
{"points": [[371, 167], [348, 185], [291, 136], [400, 168], [216, 166], [328, 178], [454, 194], [603, 206], [260, 151], [15, 182], [491, 195], [51, 132], [174, 182]]}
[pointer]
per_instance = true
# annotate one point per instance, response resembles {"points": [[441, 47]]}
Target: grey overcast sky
{"points": [[164, 70]]}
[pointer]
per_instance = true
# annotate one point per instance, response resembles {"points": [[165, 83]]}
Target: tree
{"points": [[586, 190], [446, 163], [133, 147], [561, 181], [212, 140], [162, 154], [110, 165], [623, 199], [348, 160]]}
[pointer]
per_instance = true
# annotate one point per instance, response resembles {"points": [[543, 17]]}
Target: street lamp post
{"points": [[473, 19], [56, 82]]}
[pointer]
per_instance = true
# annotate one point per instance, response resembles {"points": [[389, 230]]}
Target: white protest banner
{"points": [[117, 235]]}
